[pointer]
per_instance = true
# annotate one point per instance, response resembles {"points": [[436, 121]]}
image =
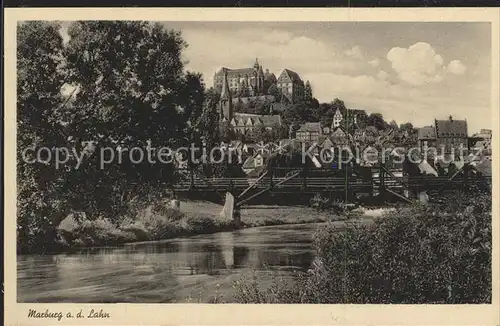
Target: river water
{"points": [[191, 269]]}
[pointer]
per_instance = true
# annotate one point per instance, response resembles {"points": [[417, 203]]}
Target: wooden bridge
{"points": [[349, 183]]}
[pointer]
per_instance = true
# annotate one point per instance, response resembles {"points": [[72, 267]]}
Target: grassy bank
{"points": [[158, 221]]}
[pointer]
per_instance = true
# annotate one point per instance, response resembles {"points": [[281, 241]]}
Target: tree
{"points": [[40, 117], [297, 114], [394, 125], [362, 119], [133, 90], [244, 91], [130, 90], [408, 126], [377, 120], [274, 91], [208, 122], [308, 92]]}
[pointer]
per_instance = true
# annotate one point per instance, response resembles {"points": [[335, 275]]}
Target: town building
{"points": [[309, 132], [252, 82], [484, 134], [446, 136], [339, 137], [291, 86], [451, 135], [337, 119], [427, 137], [243, 123], [242, 82]]}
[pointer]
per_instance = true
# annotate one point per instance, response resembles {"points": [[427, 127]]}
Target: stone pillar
{"points": [[229, 210]]}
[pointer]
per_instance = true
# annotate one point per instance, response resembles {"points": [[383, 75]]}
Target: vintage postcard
{"points": [[251, 166]]}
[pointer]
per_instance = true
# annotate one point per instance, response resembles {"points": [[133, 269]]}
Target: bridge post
{"points": [[230, 210], [381, 176], [466, 176], [191, 176], [304, 178], [270, 172]]}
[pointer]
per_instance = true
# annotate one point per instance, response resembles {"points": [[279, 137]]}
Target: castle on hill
{"points": [[254, 82], [244, 85]]}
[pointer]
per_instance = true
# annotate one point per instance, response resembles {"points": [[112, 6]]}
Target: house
{"points": [[291, 86], [337, 119], [254, 162], [326, 143], [339, 137], [249, 148], [485, 134], [359, 135], [309, 132], [427, 137], [482, 148], [451, 135]]}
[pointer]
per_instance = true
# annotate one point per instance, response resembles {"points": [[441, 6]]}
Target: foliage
{"points": [[274, 91], [39, 111], [435, 254], [128, 89]]}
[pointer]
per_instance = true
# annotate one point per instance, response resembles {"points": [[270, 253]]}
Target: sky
{"points": [[414, 72]]}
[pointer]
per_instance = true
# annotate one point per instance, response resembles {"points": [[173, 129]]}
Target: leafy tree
{"points": [[40, 117], [394, 125], [244, 91], [362, 119], [130, 90], [308, 92], [377, 120], [208, 122], [274, 91]]}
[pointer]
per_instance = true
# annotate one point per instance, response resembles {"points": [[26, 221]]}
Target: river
{"points": [[191, 269]]}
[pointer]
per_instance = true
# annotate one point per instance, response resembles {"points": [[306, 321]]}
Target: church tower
{"points": [[225, 102], [259, 77]]}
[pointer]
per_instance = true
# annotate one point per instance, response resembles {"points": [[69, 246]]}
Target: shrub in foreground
{"points": [[435, 254]]}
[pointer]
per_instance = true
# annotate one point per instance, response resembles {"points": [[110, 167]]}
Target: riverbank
{"points": [[160, 222]]}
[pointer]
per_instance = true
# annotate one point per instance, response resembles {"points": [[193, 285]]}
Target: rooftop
{"points": [[450, 127], [310, 127], [427, 132]]}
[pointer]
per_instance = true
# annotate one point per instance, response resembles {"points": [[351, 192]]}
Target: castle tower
{"points": [[226, 102], [256, 65]]}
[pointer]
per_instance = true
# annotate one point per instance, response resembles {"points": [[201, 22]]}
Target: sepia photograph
{"points": [[252, 162]]}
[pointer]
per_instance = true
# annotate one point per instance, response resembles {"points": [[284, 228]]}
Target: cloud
{"points": [[210, 49], [354, 52], [456, 67], [277, 36], [382, 75], [417, 65], [374, 63]]}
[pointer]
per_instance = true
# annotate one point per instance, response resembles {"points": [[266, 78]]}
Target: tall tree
{"points": [[377, 120], [308, 92], [40, 117], [394, 125]]}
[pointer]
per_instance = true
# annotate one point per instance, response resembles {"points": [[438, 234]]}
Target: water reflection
{"points": [[166, 271]]}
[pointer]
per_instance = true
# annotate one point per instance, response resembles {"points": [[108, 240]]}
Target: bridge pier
{"points": [[230, 210]]}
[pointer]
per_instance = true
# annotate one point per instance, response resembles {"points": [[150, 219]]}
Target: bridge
{"points": [[350, 184]]}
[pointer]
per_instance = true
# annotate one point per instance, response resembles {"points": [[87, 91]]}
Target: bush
{"points": [[435, 254], [325, 203]]}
